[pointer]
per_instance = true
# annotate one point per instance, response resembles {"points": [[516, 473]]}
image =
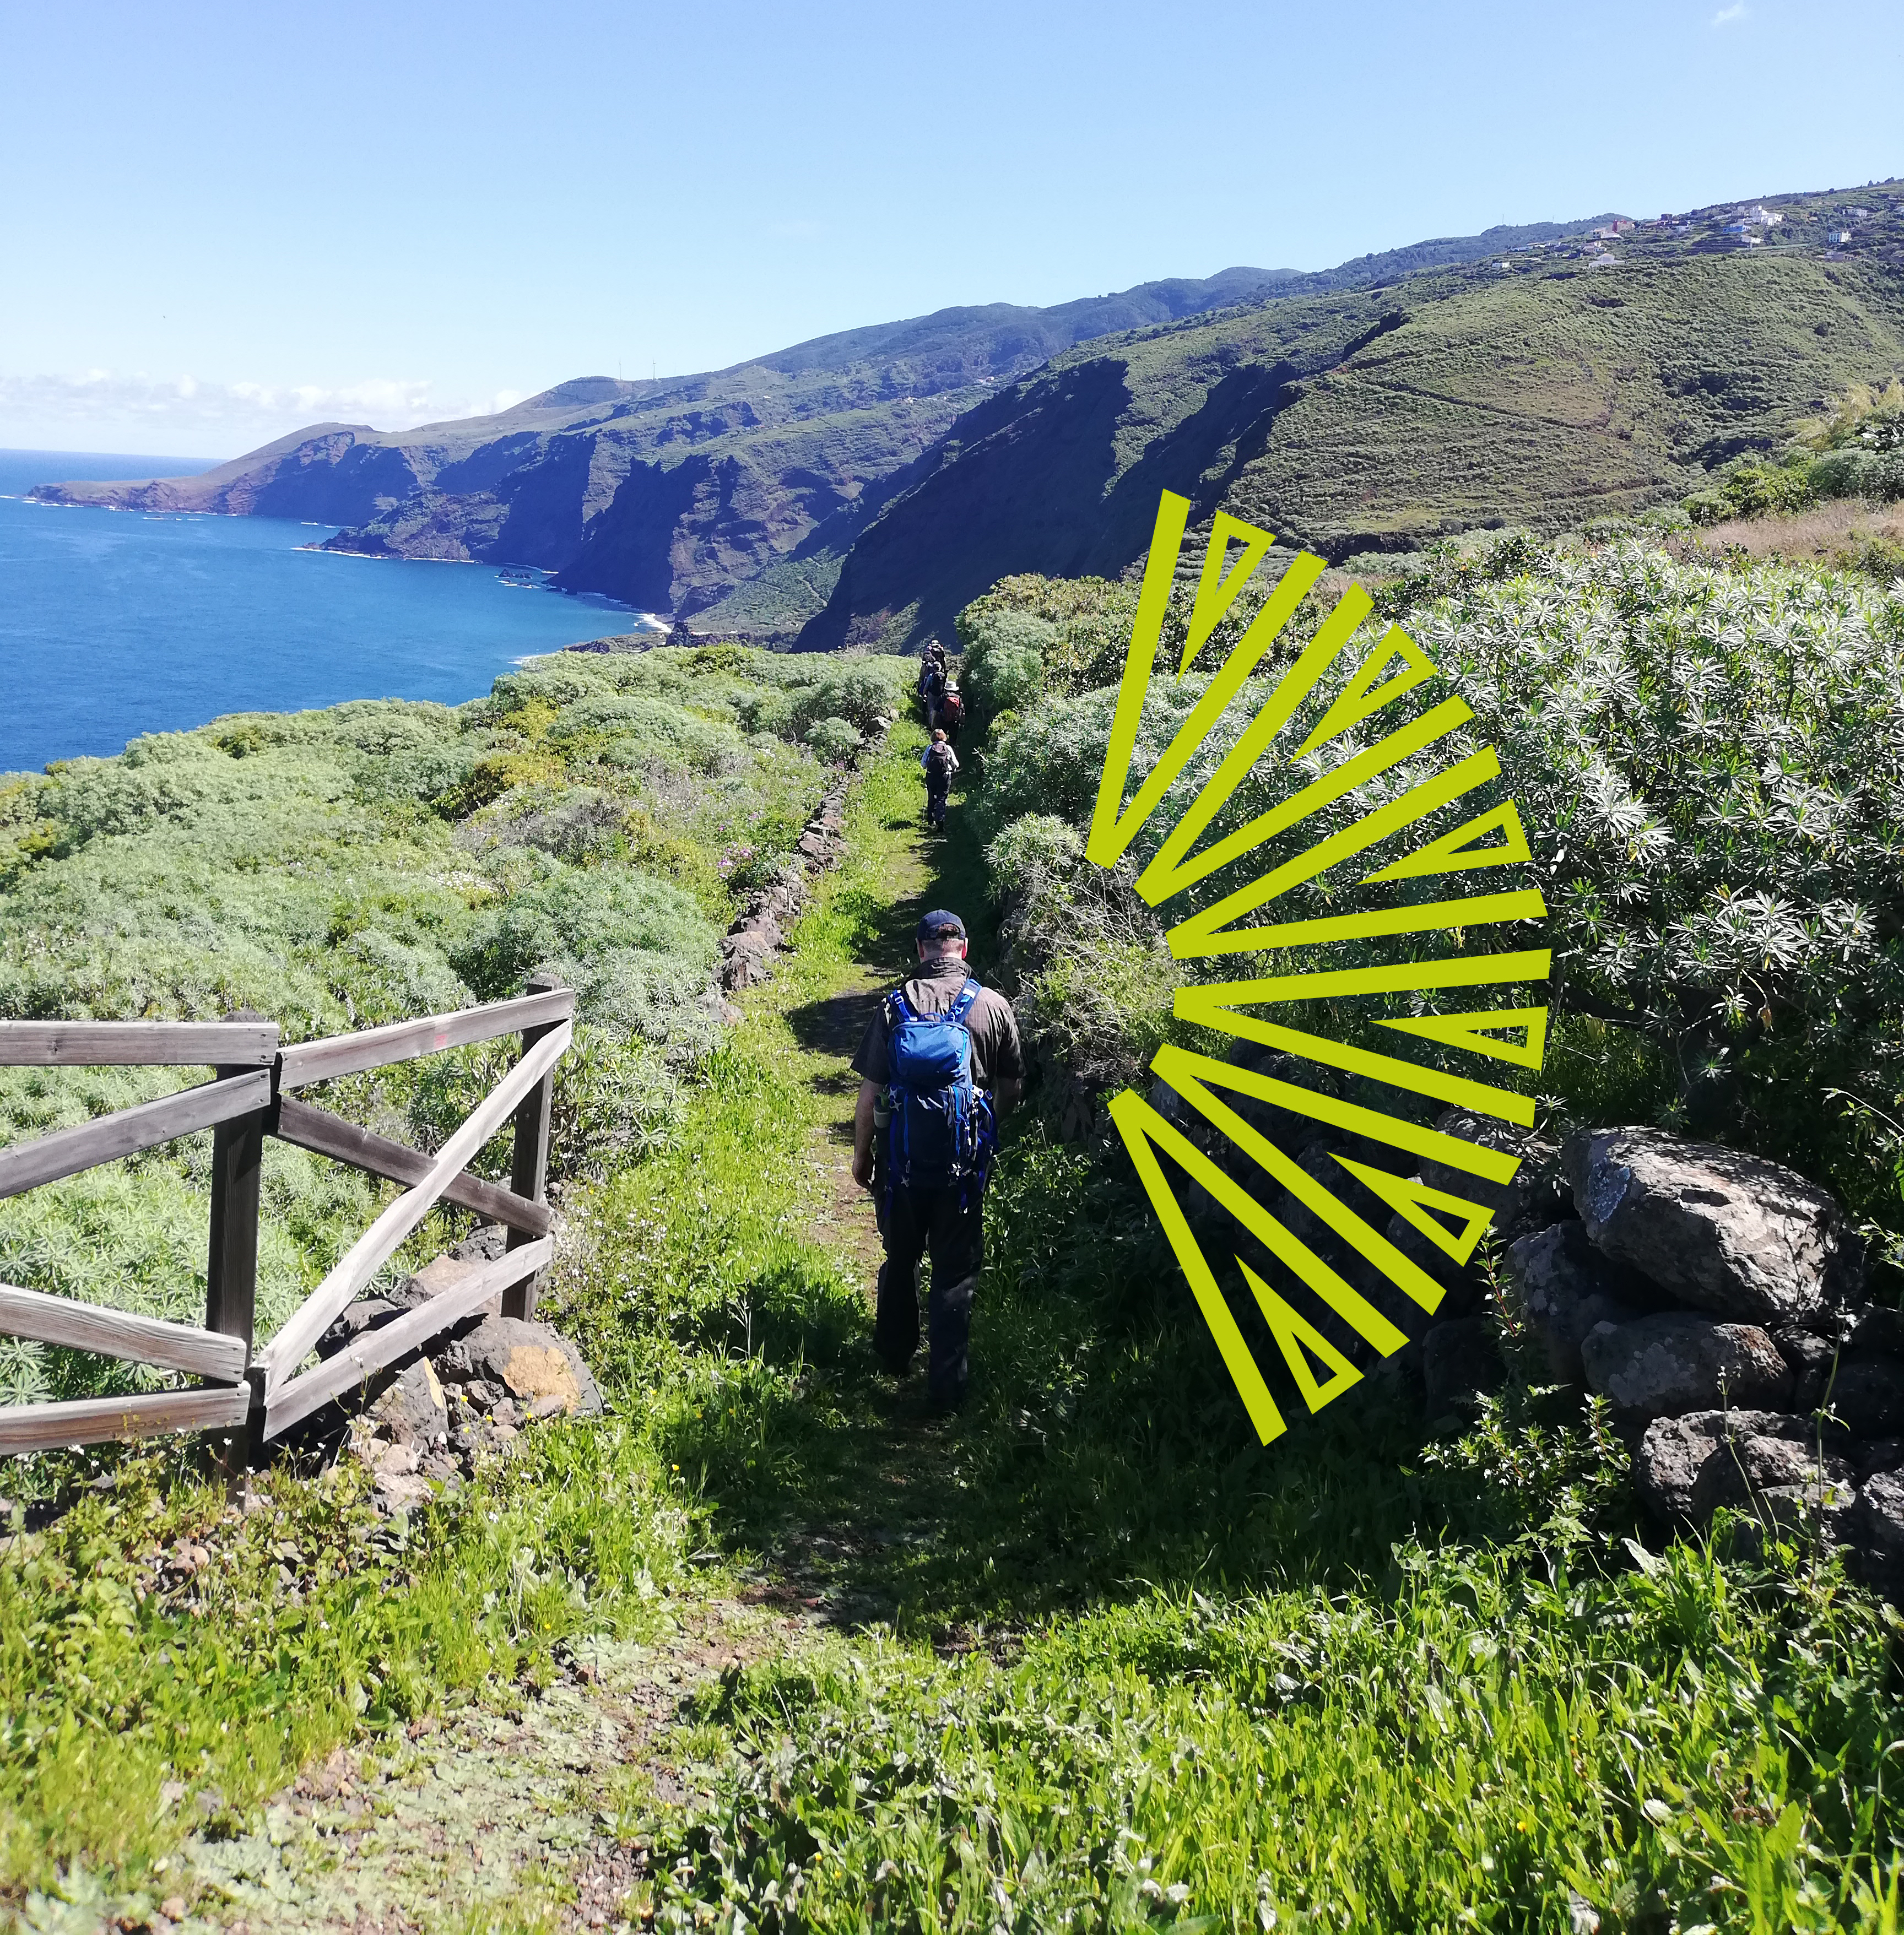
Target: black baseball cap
{"points": [[940, 921]]}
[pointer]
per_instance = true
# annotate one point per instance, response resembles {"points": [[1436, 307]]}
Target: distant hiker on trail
{"points": [[940, 763], [932, 680], [952, 712], [938, 1065]]}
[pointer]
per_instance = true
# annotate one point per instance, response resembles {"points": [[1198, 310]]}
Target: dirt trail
{"points": [[501, 1815], [830, 1030], [514, 1814]]}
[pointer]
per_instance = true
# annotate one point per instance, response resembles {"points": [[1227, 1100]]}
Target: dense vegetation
{"points": [[1710, 764], [596, 815], [1098, 1662]]}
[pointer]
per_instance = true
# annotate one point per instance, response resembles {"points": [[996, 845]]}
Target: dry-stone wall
{"points": [[1718, 1301], [465, 1395], [749, 947]]}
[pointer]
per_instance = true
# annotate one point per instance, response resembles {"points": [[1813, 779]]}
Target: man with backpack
{"points": [[940, 763], [937, 1065]]}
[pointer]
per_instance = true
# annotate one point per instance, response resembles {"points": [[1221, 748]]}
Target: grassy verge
{"points": [[1101, 1663], [1096, 1661], [167, 1659]]}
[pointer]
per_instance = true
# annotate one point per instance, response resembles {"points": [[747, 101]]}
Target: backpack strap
{"points": [[962, 1005]]}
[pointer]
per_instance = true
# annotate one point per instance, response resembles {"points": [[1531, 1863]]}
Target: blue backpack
{"points": [[943, 1129]]}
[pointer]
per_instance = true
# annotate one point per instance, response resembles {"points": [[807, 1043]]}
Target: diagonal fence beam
{"points": [[367, 1255], [351, 1368], [26, 1165]]}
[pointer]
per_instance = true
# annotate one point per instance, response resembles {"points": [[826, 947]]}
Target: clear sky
{"points": [[220, 222]]}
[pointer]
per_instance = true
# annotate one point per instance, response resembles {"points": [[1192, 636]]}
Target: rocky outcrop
{"points": [[424, 1423], [1712, 1228]]}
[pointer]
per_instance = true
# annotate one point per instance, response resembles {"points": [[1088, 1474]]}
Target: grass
{"points": [[1842, 531], [1093, 1660]]}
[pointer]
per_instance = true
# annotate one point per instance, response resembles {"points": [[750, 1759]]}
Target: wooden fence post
{"points": [[232, 1265], [529, 1162]]}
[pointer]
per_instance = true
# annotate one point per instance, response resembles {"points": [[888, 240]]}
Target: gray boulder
{"points": [[1826, 1509], [1875, 1328], [366, 1314], [1877, 1535], [1685, 1469], [1722, 1231], [1666, 1365], [756, 929], [1863, 1389], [1528, 1196], [538, 1369], [1867, 1394], [1565, 1290], [1464, 1289], [411, 1410], [1811, 1358]]}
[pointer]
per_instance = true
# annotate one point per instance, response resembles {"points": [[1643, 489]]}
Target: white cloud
{"points": [[183, 415], [1726, 16]]}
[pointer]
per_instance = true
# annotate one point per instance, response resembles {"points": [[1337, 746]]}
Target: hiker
{"points": [[938, 1065], [932, 671], [940, 763], [952, 712]]}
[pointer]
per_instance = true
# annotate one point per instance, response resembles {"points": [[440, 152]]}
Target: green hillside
{"points": [[768, 1646], [1545, 395], [670, 494]]}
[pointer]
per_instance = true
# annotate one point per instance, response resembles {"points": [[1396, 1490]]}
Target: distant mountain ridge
{"points": [[1544, 384], [671, 494], [860, 487]]}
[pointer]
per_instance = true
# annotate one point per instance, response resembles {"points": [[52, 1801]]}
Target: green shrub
{"points": [[1710, 764], [637, 950], [1878, 475], [1754, 487], [832, 739], [862, 691], [1006, 678]]}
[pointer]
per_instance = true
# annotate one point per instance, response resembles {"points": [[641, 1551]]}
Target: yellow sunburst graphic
{"points": [[1388, 858]]}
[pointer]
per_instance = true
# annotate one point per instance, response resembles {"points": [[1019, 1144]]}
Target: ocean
{"points": [[117, 623]]}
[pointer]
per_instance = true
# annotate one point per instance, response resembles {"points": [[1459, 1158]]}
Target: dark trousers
{"points": [[948, 1225], [935, 799]]}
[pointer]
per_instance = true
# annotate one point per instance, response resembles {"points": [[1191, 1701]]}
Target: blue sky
{"points": [[221, 222]]}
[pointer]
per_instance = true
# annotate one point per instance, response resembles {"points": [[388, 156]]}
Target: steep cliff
{"points": [[678, 495], [1545, 396]]}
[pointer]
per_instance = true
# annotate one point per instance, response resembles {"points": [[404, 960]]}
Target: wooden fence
{"points": [[261, 1393]]}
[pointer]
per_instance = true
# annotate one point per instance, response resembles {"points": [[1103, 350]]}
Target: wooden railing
{"points": [[263, 1391]]}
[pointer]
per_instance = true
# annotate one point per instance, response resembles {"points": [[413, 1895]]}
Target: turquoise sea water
{"points": [[117, 622]]}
